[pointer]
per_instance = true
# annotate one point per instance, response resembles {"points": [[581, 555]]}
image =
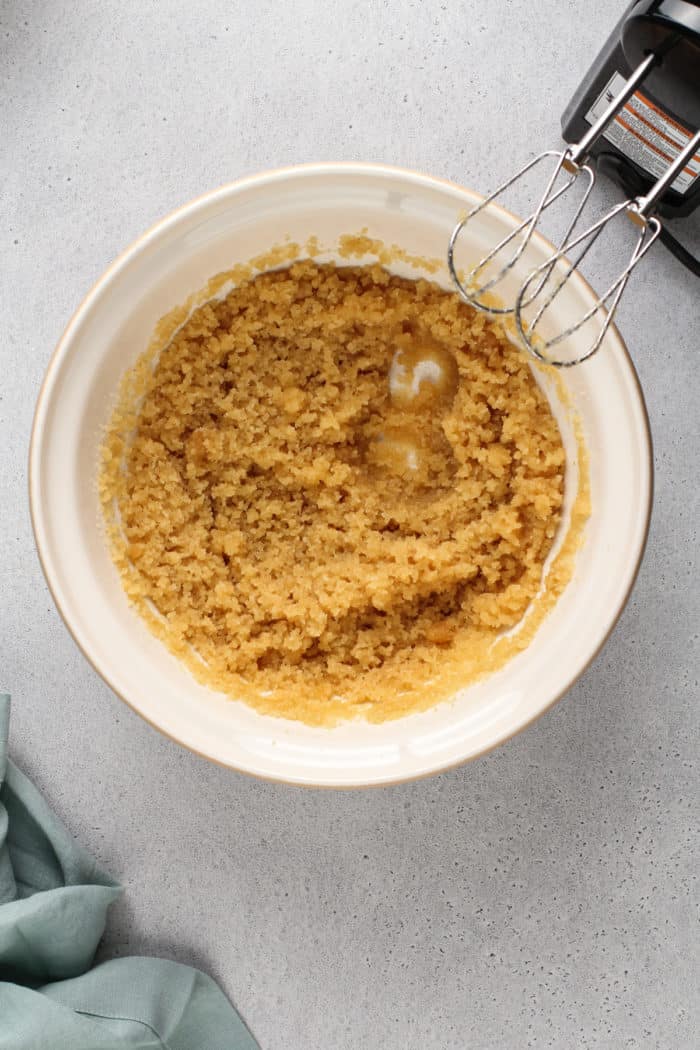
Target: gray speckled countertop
{"points": [[543, 896]]}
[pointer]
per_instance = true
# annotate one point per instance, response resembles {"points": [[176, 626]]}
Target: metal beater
{"points": [[539, 291]]}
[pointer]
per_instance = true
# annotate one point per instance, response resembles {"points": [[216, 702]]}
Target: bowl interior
{"points": [[114, 325]]}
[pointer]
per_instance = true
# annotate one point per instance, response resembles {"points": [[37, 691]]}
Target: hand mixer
{"points": [[645, 142]]}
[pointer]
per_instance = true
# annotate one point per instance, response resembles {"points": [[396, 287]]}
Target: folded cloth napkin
{"points": [[53, 906]]}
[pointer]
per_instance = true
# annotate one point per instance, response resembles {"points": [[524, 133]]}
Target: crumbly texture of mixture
{"points": [[340, 489]]}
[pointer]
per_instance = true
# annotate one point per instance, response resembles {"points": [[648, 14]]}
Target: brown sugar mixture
{"points": [[340, 488]]}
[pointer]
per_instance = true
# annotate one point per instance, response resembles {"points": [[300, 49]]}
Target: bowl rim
{"points": [[61, 348]]}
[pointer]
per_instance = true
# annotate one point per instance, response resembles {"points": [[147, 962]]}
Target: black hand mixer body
{"points": [[636, 119], [646, 135]]}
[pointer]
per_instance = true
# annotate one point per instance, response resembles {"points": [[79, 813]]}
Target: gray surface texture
{"points": [[544, 896]]}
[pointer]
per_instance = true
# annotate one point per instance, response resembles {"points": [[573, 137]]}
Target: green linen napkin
{"points": [[53, 907]]}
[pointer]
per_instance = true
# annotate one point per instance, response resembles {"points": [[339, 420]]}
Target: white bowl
{"points": [[110, 329]]}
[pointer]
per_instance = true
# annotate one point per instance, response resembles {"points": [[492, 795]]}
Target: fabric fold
{"points": [[54, 900]]}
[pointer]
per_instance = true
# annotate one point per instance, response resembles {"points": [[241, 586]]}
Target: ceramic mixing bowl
{"points": [[114, 324]]}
